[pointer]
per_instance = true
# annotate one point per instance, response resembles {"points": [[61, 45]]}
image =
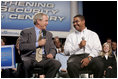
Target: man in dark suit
{"points": [[114, 49], [114, 53], [29, 43]]}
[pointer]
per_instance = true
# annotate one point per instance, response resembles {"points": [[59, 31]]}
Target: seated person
{"points": [[83, 46], [109, 40], [20, 68], [114, 49], [62, 58], [109, 61], [37, 48], [57, 44], [7, 72]]}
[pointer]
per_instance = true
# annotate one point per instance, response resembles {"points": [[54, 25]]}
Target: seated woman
{"points": [[109, 61]]}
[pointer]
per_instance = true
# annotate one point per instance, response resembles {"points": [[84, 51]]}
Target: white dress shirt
{"points": [[92, 47], [58, 50], [106, 56]]}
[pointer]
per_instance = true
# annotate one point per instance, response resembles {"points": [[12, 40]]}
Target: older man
{"points": [[37, 48]]}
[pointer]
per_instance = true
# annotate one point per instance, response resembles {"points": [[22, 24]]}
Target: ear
{"points": [[83, 21]]}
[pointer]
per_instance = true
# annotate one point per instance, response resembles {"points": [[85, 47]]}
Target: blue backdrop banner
{"points": [[19, 14], [8, 56]]}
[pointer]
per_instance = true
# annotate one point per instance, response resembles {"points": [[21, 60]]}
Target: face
{"points": [[2, 43], [78, 24], [57, 43], [106, 48], [43, 23], [114, 46], [108, 41]]}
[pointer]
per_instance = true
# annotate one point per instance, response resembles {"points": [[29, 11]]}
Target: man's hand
{"points": [[110, 67], [104, 72], [42, 42], [82, 43], [49, 56], [85, 62]]}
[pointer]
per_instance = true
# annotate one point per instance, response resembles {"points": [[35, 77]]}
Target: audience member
{"points": [[83, 46], [7, 73], [17, 45], [62, 58], [37, 48], [109, 61], [109, 40], [57, 44], [3, 41], [17, 51], [114, 49], [20, 69]]}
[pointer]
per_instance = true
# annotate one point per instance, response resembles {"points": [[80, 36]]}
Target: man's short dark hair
{"points": [[109, 39], [80, 16]]}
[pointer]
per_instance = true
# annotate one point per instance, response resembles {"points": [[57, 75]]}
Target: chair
{"points": [[89, 72], [37, 71], [81, 75], [63, 75], [20, 70]]}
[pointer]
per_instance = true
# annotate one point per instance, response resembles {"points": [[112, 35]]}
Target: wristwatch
{"points": [[89, 58]]}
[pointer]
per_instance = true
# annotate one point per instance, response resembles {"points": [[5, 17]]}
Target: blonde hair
{"points": [[109, 52], [38, 16]]}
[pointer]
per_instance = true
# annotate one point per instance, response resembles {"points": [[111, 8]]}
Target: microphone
{"points": [[83, 38], [44, 34]]}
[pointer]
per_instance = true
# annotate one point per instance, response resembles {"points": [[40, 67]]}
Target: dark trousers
{"points": [[49, 66], [74, 66], [110, 73], [8, 73]]}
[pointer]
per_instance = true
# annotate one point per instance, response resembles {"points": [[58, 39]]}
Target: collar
{"points": [[83, 31], [37, 29], [62, 53]]}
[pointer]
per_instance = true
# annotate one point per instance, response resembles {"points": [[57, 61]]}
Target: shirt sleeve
{"points": [[96, 48], [69, 47], [36, 44]]}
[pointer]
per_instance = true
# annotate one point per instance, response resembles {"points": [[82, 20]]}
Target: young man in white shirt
{"points": [[83, 46]]}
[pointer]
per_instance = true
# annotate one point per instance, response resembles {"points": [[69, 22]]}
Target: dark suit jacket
{"points": [[115, 53], [28, 39], [110, 73], [110, 62]]}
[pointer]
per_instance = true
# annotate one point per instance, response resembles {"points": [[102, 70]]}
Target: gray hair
{"points": [[38, 16]]}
